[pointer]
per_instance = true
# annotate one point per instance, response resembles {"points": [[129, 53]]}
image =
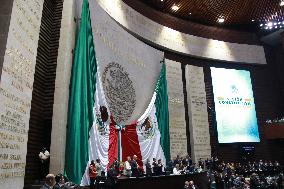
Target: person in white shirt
{"points": [[127, 170], [176, 170]]}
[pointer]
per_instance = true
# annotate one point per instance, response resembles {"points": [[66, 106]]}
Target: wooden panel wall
{"points": [[5, 16], [43, 89], [268, 99]]}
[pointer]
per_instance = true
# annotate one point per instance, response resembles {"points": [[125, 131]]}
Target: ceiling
{"points": [[238, 14]]}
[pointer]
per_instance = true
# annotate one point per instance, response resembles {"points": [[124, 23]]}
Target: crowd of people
{"points": [[131, 168], [257, 174]]}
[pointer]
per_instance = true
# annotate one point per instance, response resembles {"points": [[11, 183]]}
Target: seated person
{"points": [[192, 185], [186, 184], [49, 182], [176, 170], [60, 182]]}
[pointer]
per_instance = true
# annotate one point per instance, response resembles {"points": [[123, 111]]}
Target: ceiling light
{"points": [[190, 13], [269, 24], [252, 20], [282, 3], [162, 0], [175, 7], [221, 20], [266, 28], [261, 25]]}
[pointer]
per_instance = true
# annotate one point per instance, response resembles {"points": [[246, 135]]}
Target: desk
{"points": [[163, 182]]}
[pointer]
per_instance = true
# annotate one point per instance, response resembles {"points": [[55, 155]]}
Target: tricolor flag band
{"points": [[92, 131]]}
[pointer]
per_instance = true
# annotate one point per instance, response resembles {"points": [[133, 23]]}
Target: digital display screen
{"points": [[234, 106]]}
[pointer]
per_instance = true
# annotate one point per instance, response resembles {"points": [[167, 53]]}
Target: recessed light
{"points": [[252, 20], [221, 20], [175, 7], [269, 24], [162, 0], [282, 3], [261, 25], [190, 13]]}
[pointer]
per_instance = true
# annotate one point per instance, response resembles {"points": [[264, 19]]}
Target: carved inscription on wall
{"points": [[178, 138], [16, 90], [198, 115]]}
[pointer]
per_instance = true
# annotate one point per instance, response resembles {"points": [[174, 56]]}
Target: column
{"points": [[197, 113], [178, 138], [61, 93]]}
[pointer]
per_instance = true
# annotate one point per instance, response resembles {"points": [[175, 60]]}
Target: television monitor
{"points": [[234, 106]]}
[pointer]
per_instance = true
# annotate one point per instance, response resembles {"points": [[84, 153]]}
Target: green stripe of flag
{"points": [[162, 111], [81, 100]]}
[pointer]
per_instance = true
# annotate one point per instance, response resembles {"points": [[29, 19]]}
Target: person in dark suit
{"points": [[155, 167], [111, 177], [148, 168], [134, 167], [160, 167], [177, 160]]}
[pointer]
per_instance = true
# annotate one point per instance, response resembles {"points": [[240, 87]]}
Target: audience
{"points": [[260, 174]]}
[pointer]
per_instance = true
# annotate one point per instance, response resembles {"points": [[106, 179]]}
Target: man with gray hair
{"points": [[49, 182]]}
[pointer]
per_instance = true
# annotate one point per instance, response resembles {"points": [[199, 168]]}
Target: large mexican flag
{"points": [[92, 132]]}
